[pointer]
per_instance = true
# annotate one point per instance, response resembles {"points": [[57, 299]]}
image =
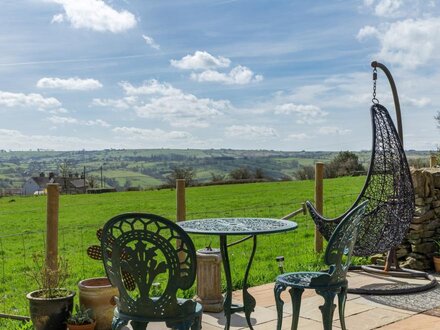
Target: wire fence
{"points": [[17, 249]]}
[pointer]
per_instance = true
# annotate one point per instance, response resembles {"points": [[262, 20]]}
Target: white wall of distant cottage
{"points": [[30, 186]]}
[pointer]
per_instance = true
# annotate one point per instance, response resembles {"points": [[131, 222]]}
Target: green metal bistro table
{"points": [[224, 227]]}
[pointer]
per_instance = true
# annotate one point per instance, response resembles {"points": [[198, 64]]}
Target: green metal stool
{"points": [[141, 251], [329, 283]]}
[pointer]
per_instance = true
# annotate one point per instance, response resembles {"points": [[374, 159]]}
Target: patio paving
{"points": [[420, 311]]}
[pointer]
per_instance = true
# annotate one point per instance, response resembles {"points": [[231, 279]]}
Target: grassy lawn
{"points": [[23, 220]]}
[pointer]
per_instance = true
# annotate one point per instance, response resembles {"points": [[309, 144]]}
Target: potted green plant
{"points": [[51, 303], [436, 256], [81, 319]]}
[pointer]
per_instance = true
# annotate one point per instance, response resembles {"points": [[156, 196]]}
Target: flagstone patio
{"points": [[419, 311]]}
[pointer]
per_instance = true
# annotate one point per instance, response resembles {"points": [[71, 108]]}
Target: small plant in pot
{"points": [[81, 319], [436, 256], [51, 304]]}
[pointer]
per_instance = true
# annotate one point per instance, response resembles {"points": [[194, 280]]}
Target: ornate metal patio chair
{"points": [[329, 283], [152, 250]]}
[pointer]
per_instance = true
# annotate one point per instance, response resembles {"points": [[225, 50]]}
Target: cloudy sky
{"points": [[242, 74]]}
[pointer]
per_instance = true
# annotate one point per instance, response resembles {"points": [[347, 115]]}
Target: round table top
{"points": [[237, 226]]}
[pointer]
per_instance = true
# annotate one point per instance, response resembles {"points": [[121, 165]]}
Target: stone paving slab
{"points": [[361, 312], [310, 308], [372, 319], [238, 320], [416, 322]]}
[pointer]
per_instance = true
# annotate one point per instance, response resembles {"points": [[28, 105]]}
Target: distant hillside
{"points": [[146, 168]]}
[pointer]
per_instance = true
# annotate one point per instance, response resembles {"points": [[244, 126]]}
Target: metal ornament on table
{"points": [[389, 190]]}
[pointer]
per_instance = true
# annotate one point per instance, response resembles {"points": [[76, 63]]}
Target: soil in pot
{"points": [[49, 313], [98, 295]]}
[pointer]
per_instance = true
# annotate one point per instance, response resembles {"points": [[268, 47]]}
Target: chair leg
{"points": [[342, 298], [328, 308], [295, 294], [117, 323], [136, 325], [197, 324], [279, 303], [182, 325]]}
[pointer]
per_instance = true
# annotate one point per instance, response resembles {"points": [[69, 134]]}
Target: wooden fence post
{"points": [[180, 209], [180, 198], [53, 196], [433, 161], [319, 202]]}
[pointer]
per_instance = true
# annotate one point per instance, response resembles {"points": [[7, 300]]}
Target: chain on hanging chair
{"points": [[389, 191]]}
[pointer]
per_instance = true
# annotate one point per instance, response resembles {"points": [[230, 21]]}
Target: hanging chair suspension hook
{"points": [[387, 72]]}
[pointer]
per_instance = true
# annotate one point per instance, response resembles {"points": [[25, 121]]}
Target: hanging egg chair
{"points": [[389, 191]]}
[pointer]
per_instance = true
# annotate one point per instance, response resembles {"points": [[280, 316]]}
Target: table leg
{"points": [[249, 302], [228, 297]]}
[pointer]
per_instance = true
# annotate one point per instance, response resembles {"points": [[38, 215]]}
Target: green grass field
{"points": [[23, 220]]}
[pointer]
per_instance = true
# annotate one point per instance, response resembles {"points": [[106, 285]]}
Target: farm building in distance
{"points": [[69, 185]]}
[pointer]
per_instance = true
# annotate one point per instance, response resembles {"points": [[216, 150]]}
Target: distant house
{"points": [[34, 184], [69, 185]]}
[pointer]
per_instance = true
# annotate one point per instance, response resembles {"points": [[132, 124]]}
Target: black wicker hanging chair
{"points": [[389, 191]]}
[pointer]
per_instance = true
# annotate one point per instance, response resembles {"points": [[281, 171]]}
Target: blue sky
{"points": [[242, 74]]}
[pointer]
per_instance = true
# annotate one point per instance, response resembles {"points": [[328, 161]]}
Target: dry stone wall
{"points": [[418, 247]]}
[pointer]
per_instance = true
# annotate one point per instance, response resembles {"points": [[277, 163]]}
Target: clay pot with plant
{"points": [[51, 304], [436, 256], [81, 319], [97, 293]]}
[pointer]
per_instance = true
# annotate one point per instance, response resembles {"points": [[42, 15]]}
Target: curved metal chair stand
{"points": [[389, 190], [152, 250], [329, 283]]}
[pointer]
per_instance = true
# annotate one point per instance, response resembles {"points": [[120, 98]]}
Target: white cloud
{"points": [[11, 100], [94, 15], [168, 103], [415, 102], [97, 122], [307, 114], [123, 104], [58, 18], [59, 120], [150, 87], [16, 140], [367, 32], [74, 83], [240, 75], [201, 60], [62, 120], [150, 42], [409, 43], [388, 8], [249, 132], [299, 136], [333, 130], [399, 8], [134, 133]]}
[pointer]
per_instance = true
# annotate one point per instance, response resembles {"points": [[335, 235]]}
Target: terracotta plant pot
{"points": [[90, 326], [436, 260], [49, 313], [98, 295]]}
